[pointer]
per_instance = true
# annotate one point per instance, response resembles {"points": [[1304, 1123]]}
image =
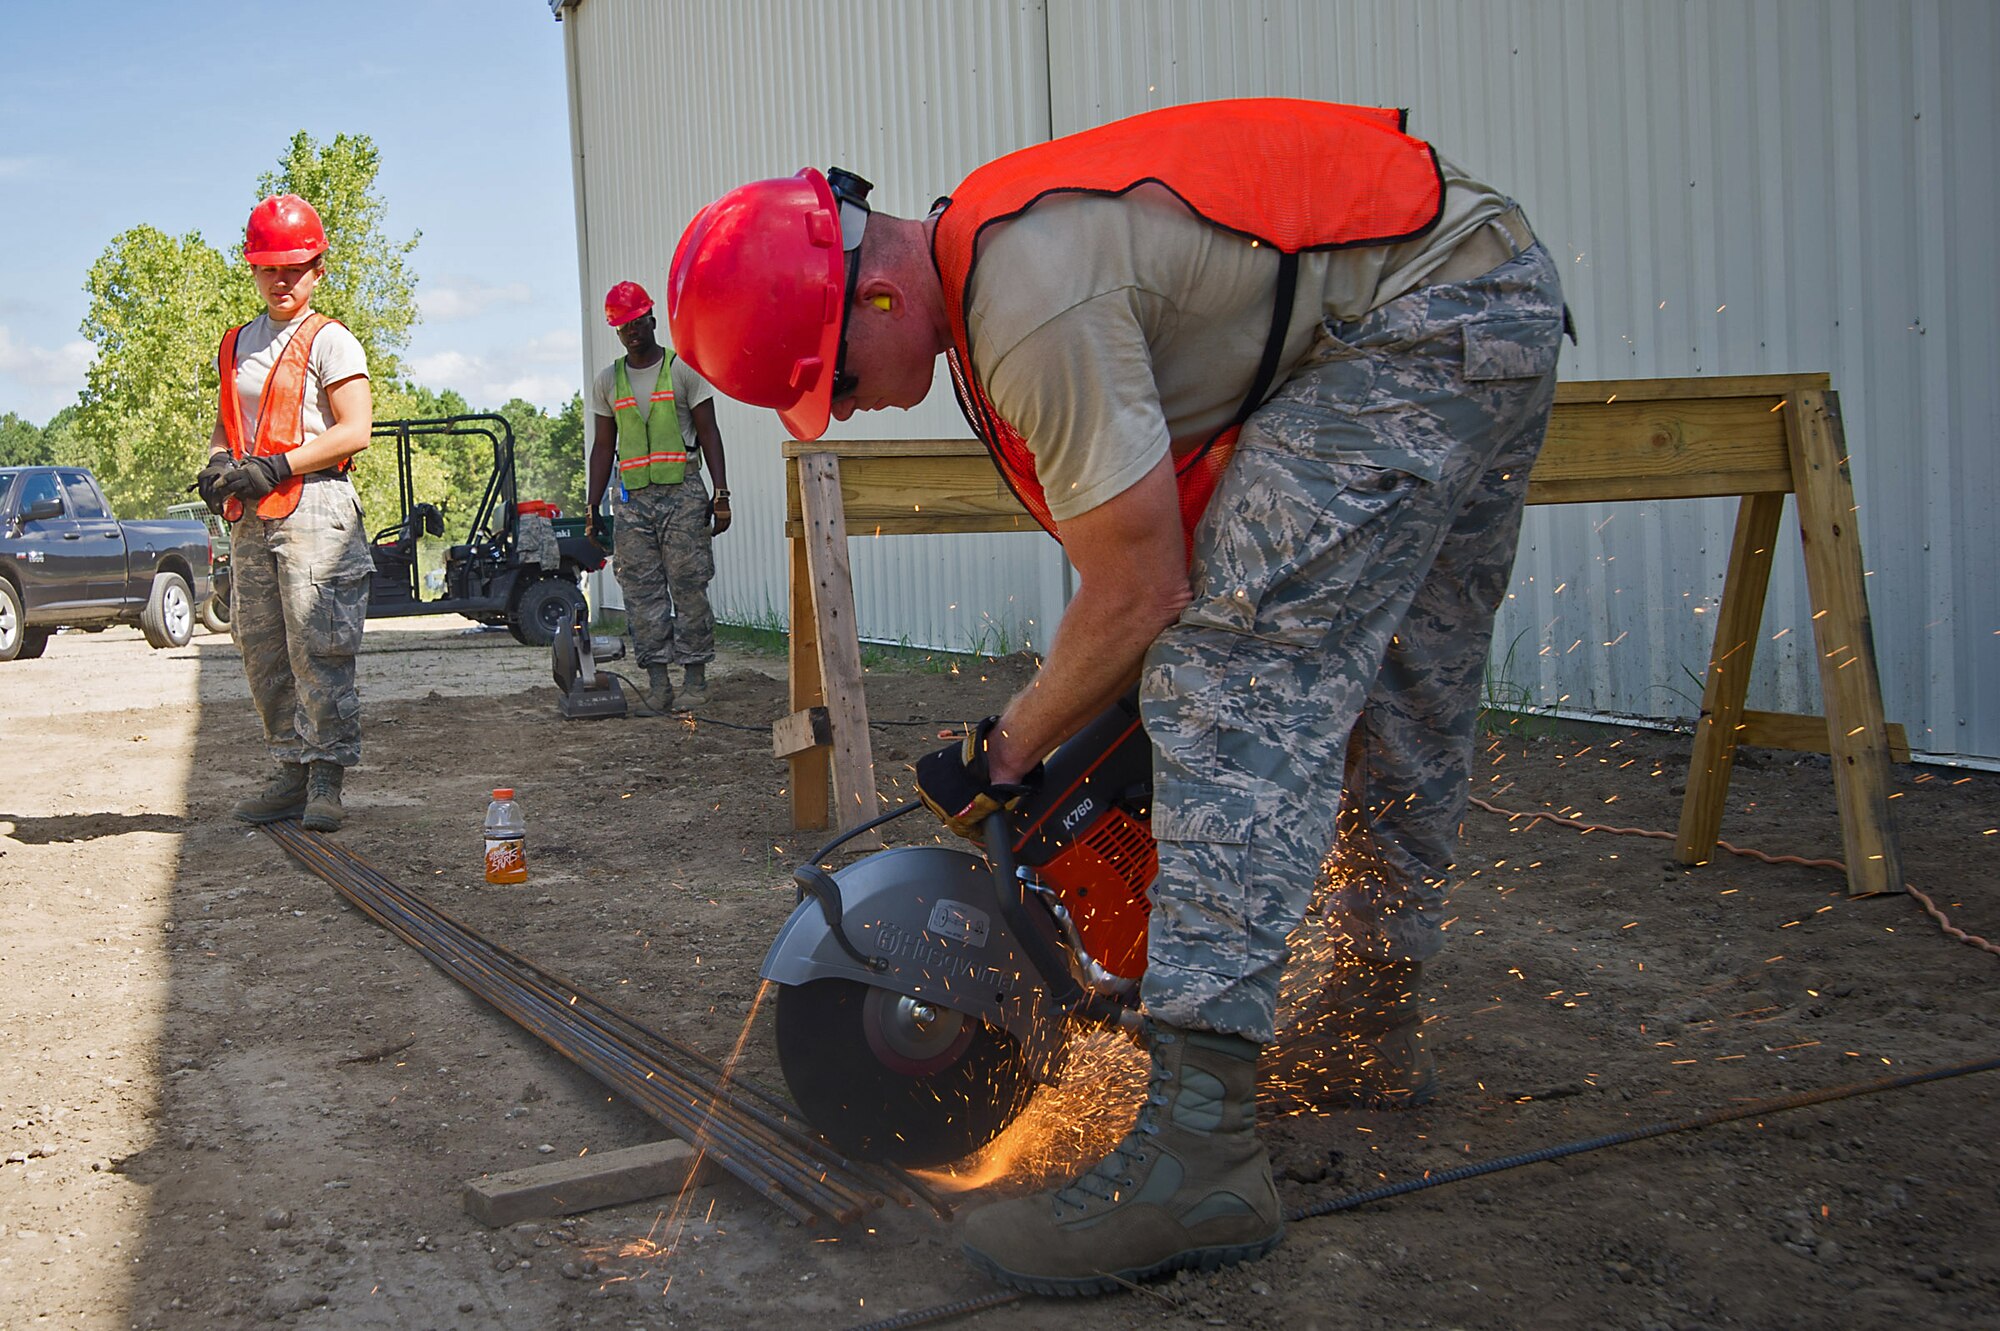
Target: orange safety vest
{"points": [[1294, 175], [281, 413]]}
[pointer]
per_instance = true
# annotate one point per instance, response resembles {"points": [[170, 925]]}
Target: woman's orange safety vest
{"points": [[1294, 175], [281, 413]]}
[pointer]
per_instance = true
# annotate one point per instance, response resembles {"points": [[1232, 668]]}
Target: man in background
{"points": [[649, 404]]}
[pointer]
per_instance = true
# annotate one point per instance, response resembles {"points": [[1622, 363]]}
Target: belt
{"points": [[1491, 244]]}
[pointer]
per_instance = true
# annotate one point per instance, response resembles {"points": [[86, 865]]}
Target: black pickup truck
{"points": [[65, 561]]}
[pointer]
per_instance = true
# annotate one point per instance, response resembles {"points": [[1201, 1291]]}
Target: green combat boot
{"points": [[323, 810], [660, 689], [1360, 1042], [694, 686], [1188, 1189], [283, 796]]}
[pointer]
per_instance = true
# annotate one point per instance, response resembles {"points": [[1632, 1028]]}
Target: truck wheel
{"points": [[215, 614], [168, 619], [543, 609], [18, 642]]}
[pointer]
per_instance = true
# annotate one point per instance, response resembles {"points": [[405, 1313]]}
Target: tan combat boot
{"points": [[694, 686], [1359, 1044], [323, 809], [660, 688], [283, 796], [1188, 1189]]}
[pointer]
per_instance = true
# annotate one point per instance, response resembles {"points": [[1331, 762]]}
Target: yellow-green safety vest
{"points": [[650, 450]]}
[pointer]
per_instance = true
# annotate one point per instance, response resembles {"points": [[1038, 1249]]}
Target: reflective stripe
{"points": [[624, 402], [632, 464]]}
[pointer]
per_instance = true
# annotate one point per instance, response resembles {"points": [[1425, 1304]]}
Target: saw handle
{"points": [[1032, 926], [815, 882]]}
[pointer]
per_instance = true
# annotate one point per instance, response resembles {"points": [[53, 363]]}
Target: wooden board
{"points": [[901, 494], [1805, 734], [1633, 448], [832, 583], [1727, 682], [1849, 683], [812, 773], [810, 729], [584, 1183]]}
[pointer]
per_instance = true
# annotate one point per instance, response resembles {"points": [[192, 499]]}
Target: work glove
{"points": [[255, 477], [209, 480], [594, 528], [718, 513], [955, 785]]}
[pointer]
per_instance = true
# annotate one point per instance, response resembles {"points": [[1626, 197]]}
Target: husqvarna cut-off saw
{"points": [[925, 992]]}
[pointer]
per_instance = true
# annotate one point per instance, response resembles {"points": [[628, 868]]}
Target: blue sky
{"points": [[117, 112]]}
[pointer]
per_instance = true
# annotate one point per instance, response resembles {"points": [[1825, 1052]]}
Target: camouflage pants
{"points": [[664, 560], [536, 539], [298, 599], [1326, 677]]}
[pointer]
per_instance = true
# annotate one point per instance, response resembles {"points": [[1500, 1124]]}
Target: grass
{"points": [[1507, 706]]}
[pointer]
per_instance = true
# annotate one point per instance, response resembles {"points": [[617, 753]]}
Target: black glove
{"points": [[718, 513], [955, 785], [255, 477], [594, 528], [208, 482]]}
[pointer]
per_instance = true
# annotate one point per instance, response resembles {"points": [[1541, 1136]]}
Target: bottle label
{"points": [[506, 860]]}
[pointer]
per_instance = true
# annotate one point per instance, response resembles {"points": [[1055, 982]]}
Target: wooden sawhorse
{"points": [[1755, 437]]}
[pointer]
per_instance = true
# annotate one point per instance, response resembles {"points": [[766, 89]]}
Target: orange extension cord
{"points": [[1930, 907]]}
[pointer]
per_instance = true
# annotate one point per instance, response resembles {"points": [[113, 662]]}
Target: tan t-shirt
{"points": [[336, 357], [690, 391], [1107, 329]]}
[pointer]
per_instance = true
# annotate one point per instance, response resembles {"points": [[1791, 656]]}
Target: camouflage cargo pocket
{"points": [[1205, 908], [1515, 348], [1302, 564], [339, 613]]}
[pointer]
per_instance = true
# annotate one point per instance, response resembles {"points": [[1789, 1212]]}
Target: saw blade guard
{"points": [[926, 923]]}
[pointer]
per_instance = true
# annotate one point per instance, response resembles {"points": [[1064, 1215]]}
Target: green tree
{"points": [[368, 284], [66, 445], [548, 453], [22, 443], [158, 306]]}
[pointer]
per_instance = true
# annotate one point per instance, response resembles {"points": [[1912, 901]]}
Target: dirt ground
{"points": [[200, 1128]]}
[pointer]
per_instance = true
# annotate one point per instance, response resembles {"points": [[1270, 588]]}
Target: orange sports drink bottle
{"points": [[506, 838]]}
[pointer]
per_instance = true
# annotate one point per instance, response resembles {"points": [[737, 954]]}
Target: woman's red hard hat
{"points": [[283, 229]]}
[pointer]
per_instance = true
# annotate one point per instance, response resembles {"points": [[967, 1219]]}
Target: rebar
{"points": [[748, 1131]]}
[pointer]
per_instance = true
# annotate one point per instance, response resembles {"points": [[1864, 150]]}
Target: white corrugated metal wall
{"points": [[675, 101], [1734, 186]]}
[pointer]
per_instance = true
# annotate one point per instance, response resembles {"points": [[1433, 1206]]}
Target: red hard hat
{"points": [[283, 229], [756, 295], [625, 302]]}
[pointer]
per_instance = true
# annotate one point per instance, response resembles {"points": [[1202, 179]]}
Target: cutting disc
{"points": [[888, 1077]]}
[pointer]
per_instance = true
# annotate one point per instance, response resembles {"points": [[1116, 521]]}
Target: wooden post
{"points": [[839, 642], [1729, 662], [1857, 735], [811, 774]]}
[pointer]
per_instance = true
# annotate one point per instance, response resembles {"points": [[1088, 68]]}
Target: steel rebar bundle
{"points": [[746, 1130]]}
